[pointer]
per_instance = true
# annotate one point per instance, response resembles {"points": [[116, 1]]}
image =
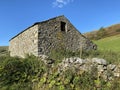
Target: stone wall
{"points": [[98, 66], [51, 36], [102, 67], [25, 43]]}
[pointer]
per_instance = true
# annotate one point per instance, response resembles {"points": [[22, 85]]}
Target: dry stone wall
{"points": [[99, 66], [103, 68], [25, 43]]}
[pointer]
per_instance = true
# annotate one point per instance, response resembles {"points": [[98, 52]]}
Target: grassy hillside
{"points": [[110, 43], [109, 31], [3, 50], [113, 30]]}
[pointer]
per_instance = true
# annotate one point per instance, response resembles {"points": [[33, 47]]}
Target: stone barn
{"points": [[43, 37]]}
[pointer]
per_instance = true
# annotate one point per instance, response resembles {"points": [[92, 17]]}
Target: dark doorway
{"points": [[63, 26]]}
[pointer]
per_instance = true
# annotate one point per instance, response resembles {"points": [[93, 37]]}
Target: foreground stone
{"points": [[105, 70], [101, 66]]}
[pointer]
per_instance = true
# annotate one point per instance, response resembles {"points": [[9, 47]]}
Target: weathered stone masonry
{"points": [[25, 42], [43, 37]]}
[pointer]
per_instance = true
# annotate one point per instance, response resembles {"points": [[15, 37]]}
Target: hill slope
{"points": [[110, 31], [109, 43], [3, 50]]}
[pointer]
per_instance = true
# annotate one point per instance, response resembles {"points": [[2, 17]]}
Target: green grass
{"points": [[109, 44]]}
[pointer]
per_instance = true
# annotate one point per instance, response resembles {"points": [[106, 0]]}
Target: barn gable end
{"points": [[43, 37]]}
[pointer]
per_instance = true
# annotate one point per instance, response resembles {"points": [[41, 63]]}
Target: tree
{"points": [[101, 33]]}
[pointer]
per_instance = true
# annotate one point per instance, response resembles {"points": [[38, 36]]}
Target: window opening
{"points": [[63, 26]]}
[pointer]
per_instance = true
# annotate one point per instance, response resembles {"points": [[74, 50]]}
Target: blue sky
{"points": [[85, 15]]}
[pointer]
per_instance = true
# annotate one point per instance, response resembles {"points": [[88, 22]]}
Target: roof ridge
{"points": [[48, 19], [36, 24]]}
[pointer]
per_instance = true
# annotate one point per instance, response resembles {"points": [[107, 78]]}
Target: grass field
{"points": [[3, 50], [110, 43]]}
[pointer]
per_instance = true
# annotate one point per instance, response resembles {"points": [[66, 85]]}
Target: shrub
{"points": [[101, 33], [14, 70], [60, 54], [31, 73]]}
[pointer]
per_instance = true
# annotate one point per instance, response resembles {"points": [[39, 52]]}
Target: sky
{"points": [[85, 15]]}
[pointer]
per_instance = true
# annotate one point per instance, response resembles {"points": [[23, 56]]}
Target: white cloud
{"points": [[61, 3]]}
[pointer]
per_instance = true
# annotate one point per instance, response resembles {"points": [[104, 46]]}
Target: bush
{"points": [[31, 73], [60, 54], [101, 33], [18, 71]]}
